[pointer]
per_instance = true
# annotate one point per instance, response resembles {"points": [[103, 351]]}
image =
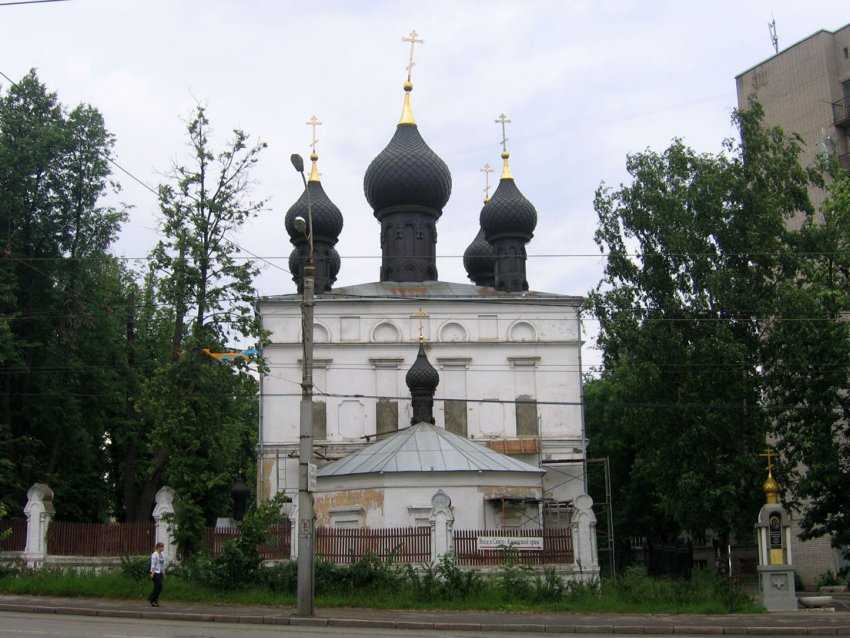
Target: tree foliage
{"points": [[682, 325], [104, 392]]}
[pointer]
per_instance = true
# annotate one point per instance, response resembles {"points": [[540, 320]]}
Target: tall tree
{"points": [[202, 414], [681, 323], [806, 363], [57, 284]]}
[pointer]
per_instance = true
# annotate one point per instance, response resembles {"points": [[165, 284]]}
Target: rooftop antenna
{"points": [[771, 26]]}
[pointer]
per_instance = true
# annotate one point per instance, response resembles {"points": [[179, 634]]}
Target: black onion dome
{"points": [[422, 378], [327, 219], [479, 259], [508, 213], [407, 173]]}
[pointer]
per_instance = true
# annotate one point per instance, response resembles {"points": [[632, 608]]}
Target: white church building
{"points": [[495, 421]]}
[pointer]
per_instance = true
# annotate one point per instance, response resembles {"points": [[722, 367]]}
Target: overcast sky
{"points": [[584, 82]]}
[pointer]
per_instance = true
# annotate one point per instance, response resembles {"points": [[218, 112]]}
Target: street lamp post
{"points": [[306, 532]]}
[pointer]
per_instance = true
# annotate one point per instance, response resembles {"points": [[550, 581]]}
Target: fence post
{"points": [[442, 525], [584, 538], [39, 511], [291, 512], [165, 505]]}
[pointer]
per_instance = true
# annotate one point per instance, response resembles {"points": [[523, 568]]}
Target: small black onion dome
{"points": [[508, 213], [407, 173], [422, 378], [479, 259], [294, 262], [334, 262], [327, 220]]}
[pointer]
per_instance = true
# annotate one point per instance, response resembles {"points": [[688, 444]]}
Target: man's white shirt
{"points": [[157, 563]]}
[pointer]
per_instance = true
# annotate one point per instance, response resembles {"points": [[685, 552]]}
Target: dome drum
{"points": [[327, 265], [408, 246], [509, 271]]}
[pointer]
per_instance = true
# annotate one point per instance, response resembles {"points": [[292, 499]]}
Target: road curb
{"points": [[253, 619]]}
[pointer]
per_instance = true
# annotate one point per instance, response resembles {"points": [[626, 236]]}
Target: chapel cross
{"points": [[503, 119], [421, 314], [769, 454], [313, 122], [414, 39], [487, 170]]}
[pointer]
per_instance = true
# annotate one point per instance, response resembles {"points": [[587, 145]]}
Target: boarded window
{"points": [[456, 417], [526, 416], [320, 420], [386, 416]]}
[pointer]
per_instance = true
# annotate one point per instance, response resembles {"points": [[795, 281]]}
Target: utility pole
{"points": [[306, 532]]}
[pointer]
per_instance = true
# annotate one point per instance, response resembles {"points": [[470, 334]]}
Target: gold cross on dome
{"points": [[769, 454], [487, 169], [313, 122], [503, 119], [414, 39], [421, 314]]}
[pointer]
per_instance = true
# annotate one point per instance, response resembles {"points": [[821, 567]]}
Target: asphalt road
{"points": [[14, 625]]}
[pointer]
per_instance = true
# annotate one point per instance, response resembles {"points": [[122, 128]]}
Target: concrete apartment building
{"points": [[805, 89]]}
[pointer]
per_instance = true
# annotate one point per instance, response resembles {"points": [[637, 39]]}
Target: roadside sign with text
{"points": [[525, 543]]}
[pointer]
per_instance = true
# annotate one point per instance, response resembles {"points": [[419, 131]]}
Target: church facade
{"points": [[503, 434]]}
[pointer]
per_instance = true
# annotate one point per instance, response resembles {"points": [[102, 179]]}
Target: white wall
{"points": [[492, 350]]}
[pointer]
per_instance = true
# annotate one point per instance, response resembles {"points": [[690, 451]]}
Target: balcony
{"points": [[841, 113]]}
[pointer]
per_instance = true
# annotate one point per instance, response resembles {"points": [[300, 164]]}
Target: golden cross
{"points": [[421, 314], [313, 122], [503, 119], [769, 454], [414, 39], [487, 170]]}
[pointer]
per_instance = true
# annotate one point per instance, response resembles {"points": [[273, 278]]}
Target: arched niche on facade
{"points": [[452, 331], [522, 331], [386, 332], [321, 334]]}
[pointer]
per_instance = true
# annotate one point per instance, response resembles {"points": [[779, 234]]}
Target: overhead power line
{"points": [[20, 2]]}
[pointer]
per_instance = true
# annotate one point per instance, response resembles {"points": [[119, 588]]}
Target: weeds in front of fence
{"points": [[371, 582]]}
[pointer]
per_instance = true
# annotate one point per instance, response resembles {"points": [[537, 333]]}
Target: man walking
{"points": [[157, 573]]}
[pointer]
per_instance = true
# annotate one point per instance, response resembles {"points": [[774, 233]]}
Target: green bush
{"points": [[136, 567], [828, 579]]}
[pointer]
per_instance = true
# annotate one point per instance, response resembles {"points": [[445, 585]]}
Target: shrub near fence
{"points": [[557, 547], [100, 539], [346, 546], [278, 546], [17, 541]]}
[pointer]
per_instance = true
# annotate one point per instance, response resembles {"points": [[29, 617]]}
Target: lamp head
{"points": [[297, 162], [300, 225]]}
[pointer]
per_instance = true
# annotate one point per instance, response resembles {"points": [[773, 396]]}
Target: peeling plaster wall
{"points": [[393, 500]]}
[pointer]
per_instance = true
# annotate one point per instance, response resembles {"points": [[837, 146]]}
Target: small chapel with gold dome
{"points": [[422, 386]]}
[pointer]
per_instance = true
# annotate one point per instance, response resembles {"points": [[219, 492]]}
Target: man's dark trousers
{"points": [[157, 588]]}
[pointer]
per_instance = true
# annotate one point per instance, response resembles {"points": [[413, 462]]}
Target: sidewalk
{"points": [[793, 623]]}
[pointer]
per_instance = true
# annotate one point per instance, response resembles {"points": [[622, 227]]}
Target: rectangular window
{"points": [[386, 416], [526, 416], [456, 417], [320, 420]]}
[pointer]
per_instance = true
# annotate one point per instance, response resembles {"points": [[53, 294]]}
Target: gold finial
{"points": [[421, 314], [506, 167], [313, 122], [407, 108], [487, 169], [770, 486]]}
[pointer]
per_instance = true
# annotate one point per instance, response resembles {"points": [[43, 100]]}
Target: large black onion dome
{"points": [[508, 213], [327, 219], [479, 259], [407, 173], [422, 378]]}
